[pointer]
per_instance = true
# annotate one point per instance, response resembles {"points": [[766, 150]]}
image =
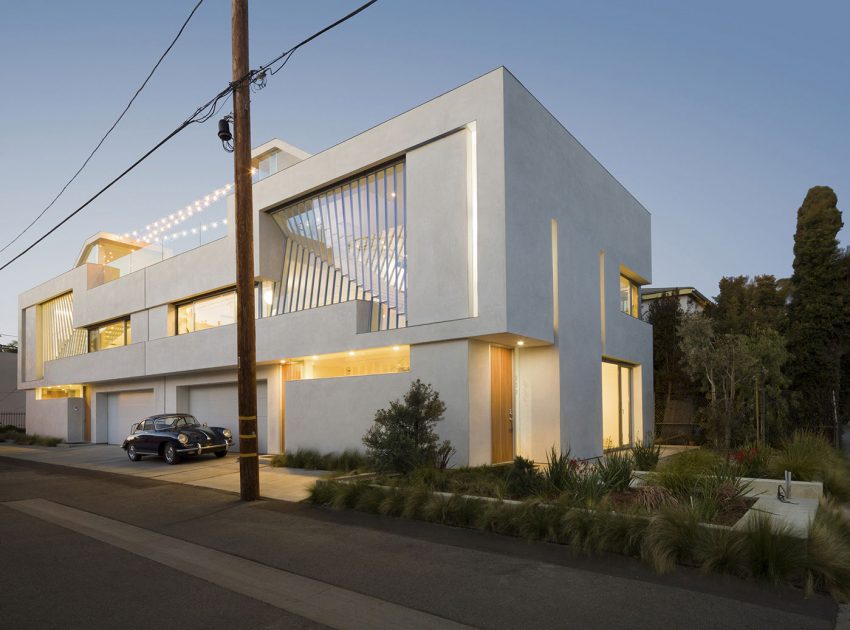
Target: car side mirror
{"points": [[205, 424]]}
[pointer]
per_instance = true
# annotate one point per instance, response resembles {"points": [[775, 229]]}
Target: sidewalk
{"points": [[283, 484]]}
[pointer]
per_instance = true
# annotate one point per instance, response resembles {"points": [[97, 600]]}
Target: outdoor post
{"points": [[249, 471]]}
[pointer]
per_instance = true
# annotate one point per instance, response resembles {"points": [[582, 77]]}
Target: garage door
{"points": [[125, 408], [217, 406]]}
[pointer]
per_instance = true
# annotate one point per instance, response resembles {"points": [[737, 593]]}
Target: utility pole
{"points": [[249, 465]]}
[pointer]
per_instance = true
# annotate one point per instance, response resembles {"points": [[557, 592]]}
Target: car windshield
{"points": [[175, 422]]}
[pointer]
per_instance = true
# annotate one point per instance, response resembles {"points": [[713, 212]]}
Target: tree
{"points": [[734, 369], [403, 436], [816, 314], [9, 347], [744, 304], [670, 379]]}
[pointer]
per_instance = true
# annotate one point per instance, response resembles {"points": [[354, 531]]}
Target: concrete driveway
{"points": [[284, 484]]}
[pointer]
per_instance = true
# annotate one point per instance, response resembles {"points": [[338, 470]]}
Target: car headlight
{"points": [[226, 433], [183, 438]]}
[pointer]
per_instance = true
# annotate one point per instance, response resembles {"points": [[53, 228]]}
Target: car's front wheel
{"points": [[220, 454], [171, 455], [132, 454]]}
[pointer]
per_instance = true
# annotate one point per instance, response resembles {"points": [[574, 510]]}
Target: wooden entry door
{"points": [[501, 404]]}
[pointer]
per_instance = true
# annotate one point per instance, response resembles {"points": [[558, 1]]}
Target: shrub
{"points": [[524, 480], [615, 471], [809, 457], [559, 468], [671, 537], [403, 438], [753, 461], [828, 553], [584, 485], [773, 553], [310, 459], [654, 498], [646, 455], [33, 439]]}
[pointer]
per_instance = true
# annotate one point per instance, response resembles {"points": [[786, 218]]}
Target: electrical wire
{"points": [[200, 115], [109, 131]]}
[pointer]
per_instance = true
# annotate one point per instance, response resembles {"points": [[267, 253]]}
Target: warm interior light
{"points": [[315, 357], [520, 343], [351, 353], [396, 348]]}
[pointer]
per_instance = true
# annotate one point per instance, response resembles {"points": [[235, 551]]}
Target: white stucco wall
{"points": [[334, 413], [549, 175]]}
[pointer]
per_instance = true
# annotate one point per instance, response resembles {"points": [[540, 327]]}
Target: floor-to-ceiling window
{"points": [[617, 421], [347, 243]]}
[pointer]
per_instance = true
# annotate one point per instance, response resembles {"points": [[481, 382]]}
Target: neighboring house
{"points": [[690, 300], [13, 402], [470, 242]]}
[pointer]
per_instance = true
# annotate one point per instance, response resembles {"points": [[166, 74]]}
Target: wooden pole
{"points": [[249, 470]]}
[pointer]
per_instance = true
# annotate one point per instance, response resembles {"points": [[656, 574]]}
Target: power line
{"points": [[200, 115], [109, 131]]}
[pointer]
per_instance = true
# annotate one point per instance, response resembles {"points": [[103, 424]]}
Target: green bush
{"points": [[773, 553], [809, 457], [403, 437], [559, 469], [646, 455], [524, 480], [310, 459], [707, 482], [33, 439], [615, 471], [828, 553], [675, 535]]}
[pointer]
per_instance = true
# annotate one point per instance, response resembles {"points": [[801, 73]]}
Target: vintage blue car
{"points": [[175, 435]]}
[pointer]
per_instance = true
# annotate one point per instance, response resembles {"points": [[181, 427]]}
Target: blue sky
{"points": [[717, 116]]}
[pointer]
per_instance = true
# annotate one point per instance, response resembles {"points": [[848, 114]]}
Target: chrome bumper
{"points": [[198, 449]]}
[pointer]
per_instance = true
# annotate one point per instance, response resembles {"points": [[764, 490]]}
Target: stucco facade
{"points": [[514, 238]]}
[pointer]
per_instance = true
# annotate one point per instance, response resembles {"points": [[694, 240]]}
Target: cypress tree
{"points": [[816, 313]]}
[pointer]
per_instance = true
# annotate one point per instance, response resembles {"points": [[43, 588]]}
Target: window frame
{"points": [[258, 305], [634, 296], [128, 335]]}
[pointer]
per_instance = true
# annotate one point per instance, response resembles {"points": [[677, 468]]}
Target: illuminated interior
{"points": [[110, 335], [386, 360], [616, 405], [58, 391], [629, 296]]}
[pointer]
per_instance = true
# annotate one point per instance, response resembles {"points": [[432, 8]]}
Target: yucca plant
{"points": [[646, 455], [559, 467], [615, 471]]}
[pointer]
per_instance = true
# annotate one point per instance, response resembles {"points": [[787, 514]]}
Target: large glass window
{"points": [[347, 243], [58, 391], [59, 338], [110, 335], [616, 405], [206, 312], [629, 296], [386, 360]]}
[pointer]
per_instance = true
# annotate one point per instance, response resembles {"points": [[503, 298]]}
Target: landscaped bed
{"points": [[681, 513]]}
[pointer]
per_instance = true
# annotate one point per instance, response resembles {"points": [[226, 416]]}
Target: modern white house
{"points": [[470, 242]]}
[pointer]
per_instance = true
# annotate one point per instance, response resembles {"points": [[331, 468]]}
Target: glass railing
{"points": [[191, 233]]}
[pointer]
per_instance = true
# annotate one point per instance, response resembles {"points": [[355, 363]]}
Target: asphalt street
{"points": [[115, 551]]}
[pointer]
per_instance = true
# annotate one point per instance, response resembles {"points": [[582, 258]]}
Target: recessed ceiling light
{"points": [[520, 343]]}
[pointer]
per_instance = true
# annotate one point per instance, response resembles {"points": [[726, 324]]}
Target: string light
{"points": [[154, 232]]}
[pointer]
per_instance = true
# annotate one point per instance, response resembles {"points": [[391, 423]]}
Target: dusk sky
{"points": [[716, 116]]}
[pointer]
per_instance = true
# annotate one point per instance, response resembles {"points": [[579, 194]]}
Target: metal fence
{"points": [[17, 419]]}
